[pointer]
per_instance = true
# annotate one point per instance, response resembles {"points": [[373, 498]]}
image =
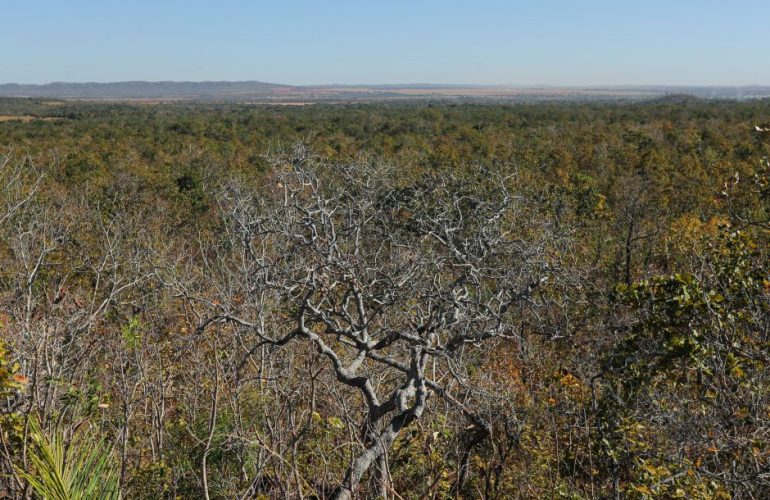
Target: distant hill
{"points": [[147, 90], [287, 94]]}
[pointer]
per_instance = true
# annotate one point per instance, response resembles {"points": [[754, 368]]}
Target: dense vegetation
{"points": [[410, 300]]}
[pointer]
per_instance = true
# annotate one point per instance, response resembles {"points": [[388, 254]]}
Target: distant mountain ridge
{"points": [[280, 93], [144, 90]]}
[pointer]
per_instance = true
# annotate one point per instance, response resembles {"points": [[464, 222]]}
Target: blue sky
{"points": [[550, 42]]}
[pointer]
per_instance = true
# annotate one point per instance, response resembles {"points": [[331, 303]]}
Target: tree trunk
{"points": [[381, 444]]}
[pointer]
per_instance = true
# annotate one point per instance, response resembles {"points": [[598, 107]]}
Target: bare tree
{"points": [[69, 274], [392, 281]]}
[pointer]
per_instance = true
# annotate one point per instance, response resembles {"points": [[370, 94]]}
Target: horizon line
{"points": [[404, 84]]}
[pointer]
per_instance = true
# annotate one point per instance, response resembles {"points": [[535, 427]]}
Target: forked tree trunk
{"points": [[379, 447]]}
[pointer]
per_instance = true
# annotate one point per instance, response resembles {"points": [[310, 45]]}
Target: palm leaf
{"points": [[83, 470]]}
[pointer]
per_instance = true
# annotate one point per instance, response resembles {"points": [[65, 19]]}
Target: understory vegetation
{"points": [[406, 300]]}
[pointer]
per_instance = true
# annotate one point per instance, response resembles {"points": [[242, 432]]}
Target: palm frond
{"points": [[81, 470]]}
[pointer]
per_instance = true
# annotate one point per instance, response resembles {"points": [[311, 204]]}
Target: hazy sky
{"points": [[553, 42]]}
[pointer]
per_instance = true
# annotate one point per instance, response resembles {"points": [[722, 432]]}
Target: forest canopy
{"points": [[410, 300]]}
